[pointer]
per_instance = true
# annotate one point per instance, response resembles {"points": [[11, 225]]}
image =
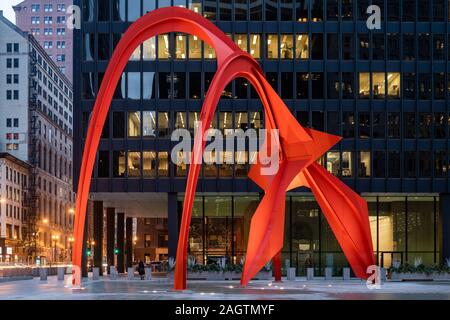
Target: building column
{"points": [[173, 223], [98, 235], [110, 239], [120, 242], [444, 211], [129, 241]]}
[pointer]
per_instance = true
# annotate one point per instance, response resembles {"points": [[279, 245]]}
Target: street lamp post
{"points": [[55, 239], [71, 240]]}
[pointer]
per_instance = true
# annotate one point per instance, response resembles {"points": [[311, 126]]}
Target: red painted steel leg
{"points": [[277, 267]]}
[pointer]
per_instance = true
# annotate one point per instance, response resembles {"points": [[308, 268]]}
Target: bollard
{"points": [[130, 272], [346, 273], [61, 271], [96, 273], [148, 273], [43, 272], [310, 274], [113, 273], [328, 273], [291, 274]]}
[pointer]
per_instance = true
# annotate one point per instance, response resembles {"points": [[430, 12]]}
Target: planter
{"points": [[420, 276], [221, 275]]}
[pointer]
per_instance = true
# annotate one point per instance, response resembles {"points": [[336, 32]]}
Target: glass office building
{"points": [[385, 91]]}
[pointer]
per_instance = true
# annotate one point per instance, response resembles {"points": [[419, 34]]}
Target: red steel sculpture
{"points": [[298, 148]]}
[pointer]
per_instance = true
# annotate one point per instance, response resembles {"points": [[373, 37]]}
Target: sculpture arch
{"points": [[299, 149]]}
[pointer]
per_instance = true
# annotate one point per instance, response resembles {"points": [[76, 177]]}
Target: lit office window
{"points": [[134, 124], [286, 46], [180, 46], [149, 49], [194, 117], [136, 56], [241, 120], [347, 164], [180, 164], [195, 5], [226, 167], [134, 164], [333, 162], [149, 163], [149, 123], [163, 124], [272, 46], [394, 87], [163, 164], [210, 53], [209, 166], [255, 120], [364, 85], [378, 85], [255, 46], [180, 120], [364, 170], [118, 164], [240, 160], [195, 47], [241, 41], [163, 46], [226, 123]]}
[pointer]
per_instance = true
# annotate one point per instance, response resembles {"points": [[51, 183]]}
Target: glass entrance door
{"points": [[391, 258]]}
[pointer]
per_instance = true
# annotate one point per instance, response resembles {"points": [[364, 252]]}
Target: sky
{"points": [[6, 6]]}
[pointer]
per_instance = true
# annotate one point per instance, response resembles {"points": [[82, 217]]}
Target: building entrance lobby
{"points": [[127, 228]]}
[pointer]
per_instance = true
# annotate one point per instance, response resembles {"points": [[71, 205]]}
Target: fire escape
{"points": [[34, 157]]}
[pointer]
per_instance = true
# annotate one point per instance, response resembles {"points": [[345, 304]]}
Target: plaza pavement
{"points": [[161, 289]]}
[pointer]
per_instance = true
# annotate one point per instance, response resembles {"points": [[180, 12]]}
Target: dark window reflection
{"points": [[301, 10], [409, 47], [425, 122], [103, 46], [394, 164], [409, 10], [423, 11], [363, 40], [225, 10], [362, 9], [424, 45], [424, 86], [287, 79], [333, 46], [438, 47], [348, 85], [348, 124], [318, 120], [348, 46], [394, 125], [272, 77], [333, 122], [240, 10], [439, 86], [334, 84], [164, 85], [302, 86], [118, 125], [316, 10], [409, 85], [378, 46], [179, 85], [393, 42], [410, 164], [438, 10], [364, 125], [440, 125], [332, 10], [287, 9], [256, 10], [103, 164], [195, 85], [103, 10], [241, 88], [317, 46], [410, 125], [317, 83], [271, 10], [440, 164], [379, 164], [393, 10], [379, 125]]}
